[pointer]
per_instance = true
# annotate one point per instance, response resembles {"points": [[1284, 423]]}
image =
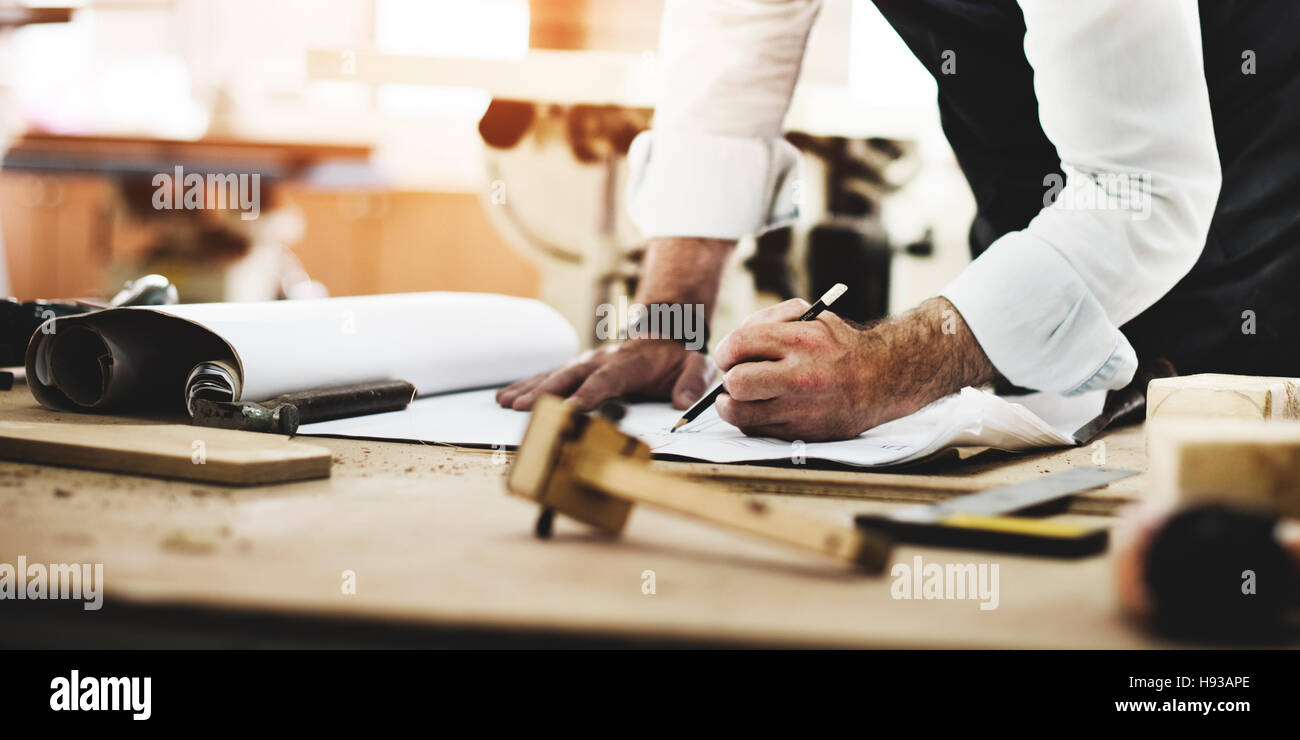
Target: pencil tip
{"points": [[680, 423]]}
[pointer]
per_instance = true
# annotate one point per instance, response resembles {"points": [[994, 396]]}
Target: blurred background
{"points": [[409, 145]]}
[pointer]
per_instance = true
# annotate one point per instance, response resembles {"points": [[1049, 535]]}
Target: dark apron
{"points": [[1248, 277]]}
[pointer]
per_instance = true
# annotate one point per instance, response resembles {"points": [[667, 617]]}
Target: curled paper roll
{"points": [[152, 357], [88, 364], [214, 381]]}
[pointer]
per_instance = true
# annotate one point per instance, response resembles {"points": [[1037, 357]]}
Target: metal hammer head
{"points": [[249, 417], [557, 434]]}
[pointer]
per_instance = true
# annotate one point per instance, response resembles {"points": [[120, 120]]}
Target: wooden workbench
{"points": [[443, 556]]}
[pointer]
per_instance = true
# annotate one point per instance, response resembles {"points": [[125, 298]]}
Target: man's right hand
{"points": [[675, 270], [655, 368]]}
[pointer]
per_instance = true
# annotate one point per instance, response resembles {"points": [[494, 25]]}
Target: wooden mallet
{"points": [[585, 468]]}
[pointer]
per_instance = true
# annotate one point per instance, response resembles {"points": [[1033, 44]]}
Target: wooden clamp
{"points": [[585, 468]]}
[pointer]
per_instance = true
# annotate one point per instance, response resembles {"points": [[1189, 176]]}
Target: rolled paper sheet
{"points": [[140, 357]]}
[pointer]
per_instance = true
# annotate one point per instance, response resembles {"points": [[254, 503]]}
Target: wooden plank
{"points": [[1121, 448], [165, 450]]}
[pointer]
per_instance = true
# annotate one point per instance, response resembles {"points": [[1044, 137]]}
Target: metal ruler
{"points": [[980, 521]]}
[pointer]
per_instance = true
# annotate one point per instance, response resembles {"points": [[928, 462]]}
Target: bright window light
{"points": [[481, 29]]}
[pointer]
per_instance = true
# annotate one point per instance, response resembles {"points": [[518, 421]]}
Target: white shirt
{"points": [[1122, 95]]}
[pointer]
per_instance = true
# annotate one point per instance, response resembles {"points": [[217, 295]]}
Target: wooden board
{"points": [[1121, 448], [166, 450], [434, 541]]}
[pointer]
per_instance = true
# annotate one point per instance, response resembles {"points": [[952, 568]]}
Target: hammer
{"points": [[283, 414], [585, 468]]}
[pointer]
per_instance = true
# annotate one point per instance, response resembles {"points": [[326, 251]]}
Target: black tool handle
{"points": [[343, 401]]}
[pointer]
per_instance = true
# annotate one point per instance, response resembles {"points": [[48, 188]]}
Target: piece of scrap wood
{"points": [[165, 450]]}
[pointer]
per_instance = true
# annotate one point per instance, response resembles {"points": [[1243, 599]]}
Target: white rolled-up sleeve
{"points": [[1122, 96], [715, 164]]}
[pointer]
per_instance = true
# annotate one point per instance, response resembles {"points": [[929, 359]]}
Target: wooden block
{"points": [[586, 469], [1253, 463], [165, 450], [1235, 396], [543, 468]]}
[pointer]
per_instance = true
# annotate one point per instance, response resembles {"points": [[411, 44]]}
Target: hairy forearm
{"points": [[926, 354], [684, 270], [830, 379]]}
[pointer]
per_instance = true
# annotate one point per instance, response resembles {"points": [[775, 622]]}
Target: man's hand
{"points": [[677, 270], [827, 379], [655, 368]]}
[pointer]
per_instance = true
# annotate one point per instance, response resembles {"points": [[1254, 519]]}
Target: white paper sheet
{"points": [[972, 418]]}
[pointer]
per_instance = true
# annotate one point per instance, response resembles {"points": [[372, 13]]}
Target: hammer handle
{"points": [[633, 481], [341, 402]]}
